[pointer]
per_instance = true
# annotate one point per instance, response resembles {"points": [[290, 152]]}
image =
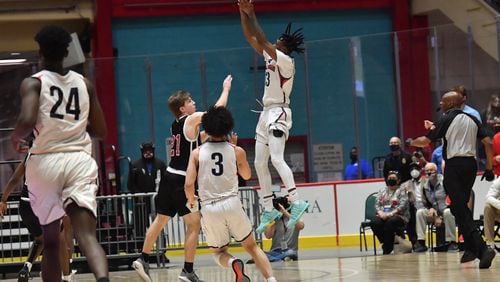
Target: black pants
{"points": [[411, 227], [459, 177], [385, 231]]}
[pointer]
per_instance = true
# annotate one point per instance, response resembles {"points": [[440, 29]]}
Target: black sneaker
{"points": [[467, 257], [24, 274], [420, 247], [142, 268], [164, 258], [453, 247], [486, 258]]}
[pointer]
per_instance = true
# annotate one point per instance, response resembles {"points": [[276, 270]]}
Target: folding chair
{"points": [[370, 213]]}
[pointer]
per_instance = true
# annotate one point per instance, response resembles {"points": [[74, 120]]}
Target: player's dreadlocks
{"points": [[293, 41], [53, 41]]}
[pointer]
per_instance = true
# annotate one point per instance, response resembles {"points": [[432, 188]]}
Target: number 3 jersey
{"points": [[217, 171], [63, 114]]}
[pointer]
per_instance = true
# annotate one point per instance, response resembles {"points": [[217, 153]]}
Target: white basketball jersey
{"points": [[63, 113], [279, 79], [217, 171]]}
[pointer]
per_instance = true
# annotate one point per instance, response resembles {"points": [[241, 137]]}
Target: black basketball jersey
{"points": [[180, 147]]}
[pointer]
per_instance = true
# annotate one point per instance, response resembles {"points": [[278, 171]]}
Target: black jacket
{"points": [[140, 180]]}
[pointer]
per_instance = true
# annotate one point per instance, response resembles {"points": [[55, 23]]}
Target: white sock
{"points": [[230, 261], [293, 196], [267, 202], [271, 279]]}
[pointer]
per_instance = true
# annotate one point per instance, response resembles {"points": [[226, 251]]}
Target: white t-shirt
{"points": [[64, 108]]}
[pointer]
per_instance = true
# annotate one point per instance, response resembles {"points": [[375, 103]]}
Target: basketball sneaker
{"points": [[267, 218], [297, 209], [142, 268], [24, 274], [238, 268], [189, 276]]}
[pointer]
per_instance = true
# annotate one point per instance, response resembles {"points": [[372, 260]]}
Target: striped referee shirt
{"points": [[459, 131]]}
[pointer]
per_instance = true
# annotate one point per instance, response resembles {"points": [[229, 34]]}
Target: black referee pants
{"points": [[459, 177]]}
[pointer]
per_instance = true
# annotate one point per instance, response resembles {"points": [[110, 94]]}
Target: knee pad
{"points": [[216, 257], [278, 133]]}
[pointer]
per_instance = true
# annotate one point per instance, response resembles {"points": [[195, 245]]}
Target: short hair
{"points": [[460, 89], [294, 40], [53, 41], [177, 100], [217, 121]]}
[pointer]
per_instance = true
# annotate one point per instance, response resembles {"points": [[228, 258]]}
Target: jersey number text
{"points": [[72, 107]]}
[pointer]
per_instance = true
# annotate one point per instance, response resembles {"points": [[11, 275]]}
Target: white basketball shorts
{"points": [[57, 179], [279, 118], [224, 219]]}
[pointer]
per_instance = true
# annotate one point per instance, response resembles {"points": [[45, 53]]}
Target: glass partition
{"points": [[351, 91]]}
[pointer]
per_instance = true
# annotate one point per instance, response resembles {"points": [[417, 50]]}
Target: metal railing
{"points": [[122, 222]]}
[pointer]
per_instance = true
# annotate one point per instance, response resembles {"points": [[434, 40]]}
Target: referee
{"points": [[459, 132]]}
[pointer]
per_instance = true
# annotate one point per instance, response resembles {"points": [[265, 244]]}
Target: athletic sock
{"points": [[188, 266], [293, 196]]}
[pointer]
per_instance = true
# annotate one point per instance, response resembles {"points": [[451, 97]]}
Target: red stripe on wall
{"points": [[147, 8], [336, 209]]}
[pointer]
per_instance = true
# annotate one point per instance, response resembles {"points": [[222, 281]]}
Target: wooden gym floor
{"points": [[339, 264]]}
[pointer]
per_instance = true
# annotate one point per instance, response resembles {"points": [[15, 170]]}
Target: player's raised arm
{"points": [[193, 121], [226, 88], [250, 25]]}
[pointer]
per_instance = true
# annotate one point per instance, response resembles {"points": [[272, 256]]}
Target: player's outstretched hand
{"points": [[488, 175], [246, 6], [227, 82]]}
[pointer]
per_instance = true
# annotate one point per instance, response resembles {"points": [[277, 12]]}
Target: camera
{"points": [[281, 200]]}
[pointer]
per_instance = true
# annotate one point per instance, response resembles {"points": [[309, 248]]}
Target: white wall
{"points": [[347, 200]]}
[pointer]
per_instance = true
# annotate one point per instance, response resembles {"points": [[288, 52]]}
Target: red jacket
{"points": [[496, 151]]}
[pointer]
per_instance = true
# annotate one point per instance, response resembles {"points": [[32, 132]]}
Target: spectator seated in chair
{"points": [[392, 212], [434, 210]]}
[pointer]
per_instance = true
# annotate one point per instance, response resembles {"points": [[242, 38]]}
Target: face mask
{"points": [[391, 182], [354, 158], [394, 147], [415, 173]]}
